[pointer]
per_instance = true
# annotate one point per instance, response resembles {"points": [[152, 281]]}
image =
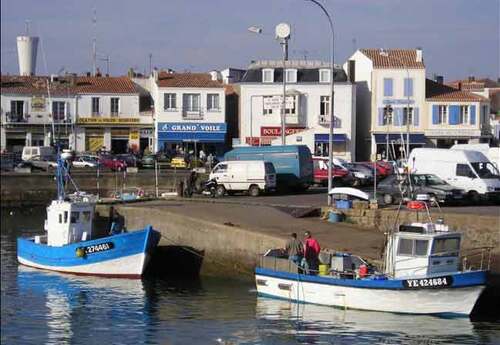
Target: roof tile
{"points": [[440, 92], [203, 80], [394, 58]]}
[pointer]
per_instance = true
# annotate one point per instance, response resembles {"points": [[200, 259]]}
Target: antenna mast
{"points": [[94, 43]]}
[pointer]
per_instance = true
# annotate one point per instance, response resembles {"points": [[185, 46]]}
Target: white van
{"points": [[492, 153], [251, 176], [468, 170], [34, 151]]}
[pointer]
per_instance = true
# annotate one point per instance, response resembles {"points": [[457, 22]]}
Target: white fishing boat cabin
{"points": [[69, 221], [422, 249]]}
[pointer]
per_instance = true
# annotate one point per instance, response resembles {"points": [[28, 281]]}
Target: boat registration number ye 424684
{"points": [[101, 247], [428, 283]]}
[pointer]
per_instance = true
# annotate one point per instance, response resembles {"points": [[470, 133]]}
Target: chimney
{"points": [[471, 78], [351, 71], [88, 74], [155, 74], [439, 79], [419, 57], [214, 75]]}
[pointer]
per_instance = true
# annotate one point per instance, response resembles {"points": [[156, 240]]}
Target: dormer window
{"points": [[268, 75], [324, 75], [291, 75]]}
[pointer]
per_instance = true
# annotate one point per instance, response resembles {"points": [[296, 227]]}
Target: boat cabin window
{"points": [[75, 216], [412, 247], [85, 216], [65, 216], [446, 246], [60, 218]]}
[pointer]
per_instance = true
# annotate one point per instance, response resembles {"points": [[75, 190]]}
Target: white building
{"points": [[307, 106], [28, 113], [190, 110], [395, 78]]}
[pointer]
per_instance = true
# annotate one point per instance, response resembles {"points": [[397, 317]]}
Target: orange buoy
{"points": [[415, 205], [363, 271]]}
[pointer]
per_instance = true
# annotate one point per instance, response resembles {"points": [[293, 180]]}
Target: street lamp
{"points": [[283, 34], [332, 117]]}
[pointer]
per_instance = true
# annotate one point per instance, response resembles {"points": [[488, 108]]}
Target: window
{"points": [[191, 102], [75, 216], [60, 218], [388, 87], [446, 246], [213, 102], [65, 216], [267, 110], [442, 114], [169, 101], [291, 75], [267, 75], [58, 109], [421, 247], [464, 170], [290, 110], [86, 216], [406, 117], [221, 168], [115, 105], [324, 75], [95, 106], [485, 170], [464, 114], [324, 108], [405, 247], [17, 108], [408, 87]]}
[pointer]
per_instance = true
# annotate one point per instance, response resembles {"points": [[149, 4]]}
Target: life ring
{"points": [[415, 205]]}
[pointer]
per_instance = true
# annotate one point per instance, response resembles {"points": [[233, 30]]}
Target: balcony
{"points": [[15, 117], [192, 114]]}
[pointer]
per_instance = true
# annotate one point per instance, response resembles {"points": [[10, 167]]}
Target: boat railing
{"points": [[477, 258]]}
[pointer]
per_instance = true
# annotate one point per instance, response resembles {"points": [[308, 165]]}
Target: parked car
{"points": [[129, 158], [112, 163], [148, 161], [429, 184], [45, 163], [252, 176], [339, 173], [86, 162], [362, 173], [384, 168], [469, 170], [30, 152]]}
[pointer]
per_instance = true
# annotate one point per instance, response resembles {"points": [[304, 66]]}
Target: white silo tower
{"points": [[26, 53]]}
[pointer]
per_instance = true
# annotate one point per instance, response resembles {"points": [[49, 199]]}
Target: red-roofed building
{"points": [[190, 112], [390, 101]]}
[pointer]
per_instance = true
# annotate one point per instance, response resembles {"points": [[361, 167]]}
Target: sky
{"points": [[459, 38]]}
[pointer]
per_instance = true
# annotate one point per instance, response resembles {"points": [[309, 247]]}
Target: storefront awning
{"points": [[192, 132], [415, 138], [325, 138]]}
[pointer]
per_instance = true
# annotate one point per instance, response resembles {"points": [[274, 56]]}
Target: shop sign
{"points": [[276, 102], [180, 127], [459, 132], [276, 131], [398, 101], [37, 103], [146, 132], [134, 135], [108, 120]]}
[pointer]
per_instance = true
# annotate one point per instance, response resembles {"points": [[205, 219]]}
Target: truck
{"points": [[492, 153], [465, 169], [252, 176], [293, 163]]}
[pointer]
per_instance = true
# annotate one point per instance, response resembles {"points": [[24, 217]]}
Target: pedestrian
{"points": [[295, 249], [311, 253], [202, 155]]}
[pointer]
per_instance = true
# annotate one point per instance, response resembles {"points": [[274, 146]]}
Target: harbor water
{"points": [[39, 307]]}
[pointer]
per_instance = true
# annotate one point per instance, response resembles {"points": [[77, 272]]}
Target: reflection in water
{"points": [[39, 307]]}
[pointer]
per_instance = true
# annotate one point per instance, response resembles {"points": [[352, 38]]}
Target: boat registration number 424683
{"points": [[428, 283], [101, 247]]}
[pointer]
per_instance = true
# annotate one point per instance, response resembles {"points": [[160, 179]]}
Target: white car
{"points": [[86, 162]]}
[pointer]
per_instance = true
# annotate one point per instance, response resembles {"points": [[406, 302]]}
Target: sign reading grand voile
{"points": [[192, 127]]}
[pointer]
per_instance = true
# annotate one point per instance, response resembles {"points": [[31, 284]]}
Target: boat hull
{"points": [[124, 255], [458, 299]]}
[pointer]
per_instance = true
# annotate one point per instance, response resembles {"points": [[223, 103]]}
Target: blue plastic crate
{"points": [[343, 204]]}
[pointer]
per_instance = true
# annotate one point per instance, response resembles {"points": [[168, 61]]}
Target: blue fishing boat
{"points": [[71, 245]]}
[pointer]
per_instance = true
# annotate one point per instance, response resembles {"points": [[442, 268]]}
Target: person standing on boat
{"points": [[311, 253], [294, 249]]}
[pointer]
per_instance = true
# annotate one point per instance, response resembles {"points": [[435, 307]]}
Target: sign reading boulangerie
{"points": [[276, 131]]}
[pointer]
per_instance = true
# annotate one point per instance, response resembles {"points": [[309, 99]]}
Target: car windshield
{"points": [[433, 180], [485, 170]]}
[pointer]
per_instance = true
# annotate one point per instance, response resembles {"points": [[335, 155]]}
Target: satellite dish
{"points": [[283, 31]]}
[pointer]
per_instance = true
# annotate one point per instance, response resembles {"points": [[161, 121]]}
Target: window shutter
{"points": [[387, 87], [398, 119], [435, 114], [380, 116], [408, 87], [415, 117], [472, 114], [454, 114]]}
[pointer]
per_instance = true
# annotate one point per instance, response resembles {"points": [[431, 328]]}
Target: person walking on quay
{"points": [[311, 253], [294, 249]]}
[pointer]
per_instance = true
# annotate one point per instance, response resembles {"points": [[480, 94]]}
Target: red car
{"points": [[383, 168], [321, 172], [112, 163]]}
